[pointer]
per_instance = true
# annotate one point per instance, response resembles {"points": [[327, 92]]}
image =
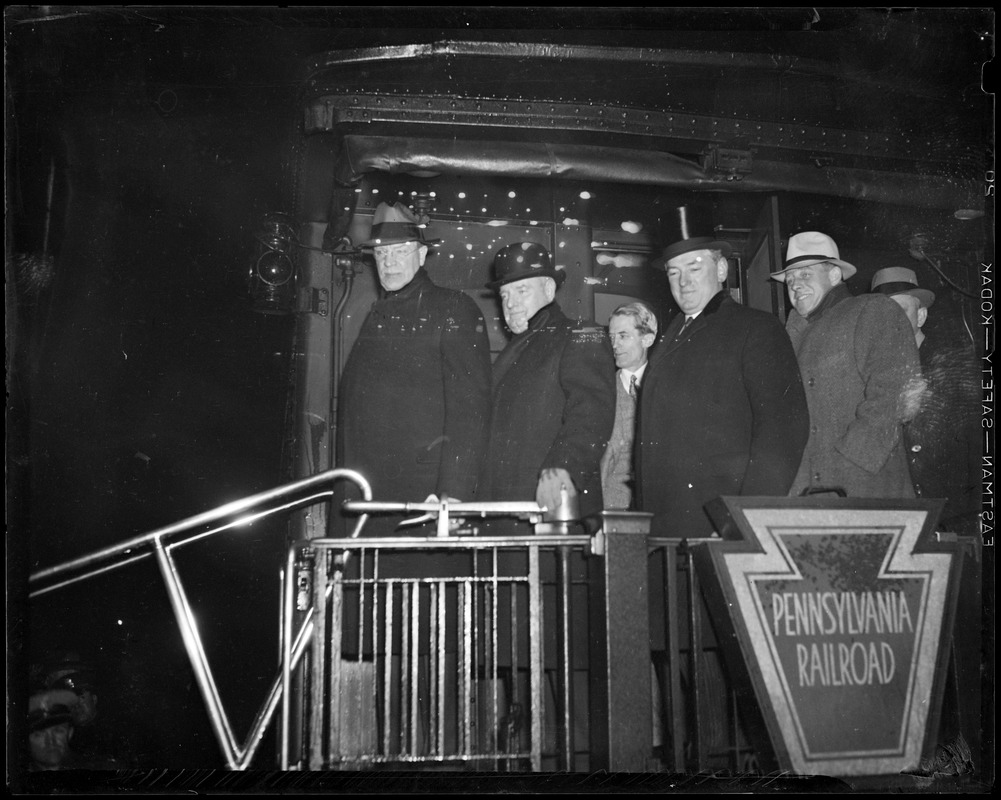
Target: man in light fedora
{"points": [[415, 391], [861, 373], [721, 409], [553, 390]]}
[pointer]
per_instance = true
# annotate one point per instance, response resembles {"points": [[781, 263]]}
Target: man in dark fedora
{"points": [[553, 391], [943, 452], [941, 443], [415, 392], [860, 370], [722, 410]]}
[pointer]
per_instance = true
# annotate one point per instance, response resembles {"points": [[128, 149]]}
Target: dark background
{"points": [[143, 146]]}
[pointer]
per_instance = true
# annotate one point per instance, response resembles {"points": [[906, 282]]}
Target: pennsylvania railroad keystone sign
{"points": [[842, 610]]}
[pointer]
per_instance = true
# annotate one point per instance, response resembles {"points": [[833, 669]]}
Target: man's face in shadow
{"points": [[50, 746]]}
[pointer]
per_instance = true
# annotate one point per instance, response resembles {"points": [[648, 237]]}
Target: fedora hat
{"points": [[522, 260], [809, 248], [900, 280], [684, 224], [395, 224]]}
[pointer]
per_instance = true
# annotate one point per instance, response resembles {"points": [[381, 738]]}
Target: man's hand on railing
{"points": [[553, 483]]}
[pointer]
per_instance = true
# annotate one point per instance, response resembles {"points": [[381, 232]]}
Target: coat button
{"points": [[813, 429], [811, 382], [916, 448], [816, 476]]}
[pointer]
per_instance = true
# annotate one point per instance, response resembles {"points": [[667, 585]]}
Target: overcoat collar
{"points": [[545, 317], [670, 343]]}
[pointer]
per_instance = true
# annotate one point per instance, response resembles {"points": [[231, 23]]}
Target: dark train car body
{"points": [[174, 172]]}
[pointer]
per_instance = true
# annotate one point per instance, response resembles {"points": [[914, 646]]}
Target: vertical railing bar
{"points": [[442, 614], [566, 658], [376, 607], [327, 681], [405, 669], [196, 654], [673, 645], [467, 666], [287, 611], [695, 654], [536, 655], [433, 676], [387, 685], [415, 720], [494, 670], [515, 662]]}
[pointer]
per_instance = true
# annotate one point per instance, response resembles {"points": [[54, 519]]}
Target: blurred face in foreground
{"points": [[50, 746]]}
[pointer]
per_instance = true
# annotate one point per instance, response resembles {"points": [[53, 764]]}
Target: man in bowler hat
{"points": [[722, 410], [860, 370], [553, 391], [415, 392]]}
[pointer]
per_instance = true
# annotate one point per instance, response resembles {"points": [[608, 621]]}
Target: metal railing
{"points": [[160, 544], [414, 668]]}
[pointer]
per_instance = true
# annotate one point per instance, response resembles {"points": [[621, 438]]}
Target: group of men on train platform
{"points": [[728, 403]]}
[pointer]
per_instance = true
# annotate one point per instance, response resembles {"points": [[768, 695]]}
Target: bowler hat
{"points": [[900, 280], [395, 224], [686, 242], [809, 248], [51, 707], [523, 260]]}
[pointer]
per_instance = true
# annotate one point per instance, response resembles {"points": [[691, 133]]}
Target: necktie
{"points": [[688, 321], [632, 386]]}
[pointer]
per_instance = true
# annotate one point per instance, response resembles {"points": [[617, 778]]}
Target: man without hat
{"points": [[860, 369], [632, 330], [415, 392], [722, 410], [553, 391]]}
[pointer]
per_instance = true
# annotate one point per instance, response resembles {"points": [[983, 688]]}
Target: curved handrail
{"points": [[322, 480], [240, 512]]}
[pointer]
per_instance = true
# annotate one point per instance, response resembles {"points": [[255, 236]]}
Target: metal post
{"points": [[621, 697]]}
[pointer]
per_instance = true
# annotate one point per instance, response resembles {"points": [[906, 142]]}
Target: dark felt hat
{"points": [[900, 280], [395, 224], [524, 260], [685, 223]]}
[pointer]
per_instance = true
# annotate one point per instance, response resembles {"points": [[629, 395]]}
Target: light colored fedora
{"points": [[809, 248], [900, 280]]}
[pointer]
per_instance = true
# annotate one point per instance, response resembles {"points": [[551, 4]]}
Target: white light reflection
{"points": [[631, 227]]}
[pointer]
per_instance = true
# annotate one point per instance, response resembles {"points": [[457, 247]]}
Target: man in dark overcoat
{"points": [[553, 391], [722, 410], [415, 392], [860, 371], [941, 441]]}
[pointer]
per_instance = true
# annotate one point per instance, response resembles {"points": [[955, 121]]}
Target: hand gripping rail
{"points": [[162, 541]]}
